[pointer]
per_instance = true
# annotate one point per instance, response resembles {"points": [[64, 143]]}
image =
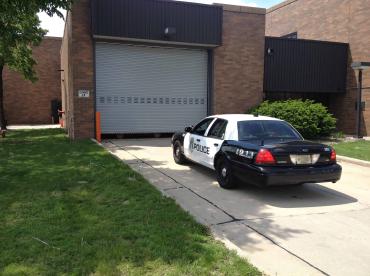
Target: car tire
{"points": [[224, 173], [178, 156]]}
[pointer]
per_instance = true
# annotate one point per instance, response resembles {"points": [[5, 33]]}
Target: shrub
{"points": [[311, 119]]}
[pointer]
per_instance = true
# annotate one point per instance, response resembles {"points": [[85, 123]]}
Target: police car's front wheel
{"points": [[178, 156], [224, 174]]}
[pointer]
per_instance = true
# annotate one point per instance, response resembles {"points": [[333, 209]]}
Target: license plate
{"points": [[304, 159]]}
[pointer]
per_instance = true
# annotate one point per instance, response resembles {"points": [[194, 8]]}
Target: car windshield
{"points": [[266, 130]]}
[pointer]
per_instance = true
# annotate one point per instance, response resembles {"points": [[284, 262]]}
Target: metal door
{"points": [[141, 89]]}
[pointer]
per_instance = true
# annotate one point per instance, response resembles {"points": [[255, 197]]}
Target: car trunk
{"points": [[299, 153]]}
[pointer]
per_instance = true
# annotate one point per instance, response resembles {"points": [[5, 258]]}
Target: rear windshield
{"points": [[265, 130]]}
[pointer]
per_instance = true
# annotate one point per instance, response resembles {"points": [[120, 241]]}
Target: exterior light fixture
{"points": [[360, 66], [169, 31]]}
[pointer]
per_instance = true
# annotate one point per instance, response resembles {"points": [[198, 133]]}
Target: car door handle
{"points": [[198, 140], [216, 145]]}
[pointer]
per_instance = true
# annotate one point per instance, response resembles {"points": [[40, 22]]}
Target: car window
{"points": [[264, 130], [201, 128], [218, 129]]}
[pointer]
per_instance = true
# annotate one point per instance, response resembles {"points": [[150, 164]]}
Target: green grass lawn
{"points": [[69, 208], [358, 149]]}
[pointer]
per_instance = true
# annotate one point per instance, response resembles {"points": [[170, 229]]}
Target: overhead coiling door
{"points": [[141, 89]]}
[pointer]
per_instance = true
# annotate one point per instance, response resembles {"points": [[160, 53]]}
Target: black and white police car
{"points": [[259, 150]]}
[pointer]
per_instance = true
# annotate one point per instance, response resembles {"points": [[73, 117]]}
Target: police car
{"points": [[259, 150]]}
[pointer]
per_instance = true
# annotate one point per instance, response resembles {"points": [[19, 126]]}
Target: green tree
{"points": [[19, 31]]}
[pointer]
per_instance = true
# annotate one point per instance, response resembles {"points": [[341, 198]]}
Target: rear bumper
{"points": [[274, 176]]}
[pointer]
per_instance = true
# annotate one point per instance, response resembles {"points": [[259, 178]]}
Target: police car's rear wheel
{"points": [[224, 174], [178, 156]]}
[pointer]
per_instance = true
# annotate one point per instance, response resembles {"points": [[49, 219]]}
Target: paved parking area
{"points": [[307, 230]]}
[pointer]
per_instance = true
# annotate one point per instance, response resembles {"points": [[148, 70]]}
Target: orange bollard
{"points": [[61, 121], [98, 127]]}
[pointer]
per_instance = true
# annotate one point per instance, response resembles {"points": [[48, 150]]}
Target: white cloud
{"points": [[236, 2], [54, 25], [251, 4]]}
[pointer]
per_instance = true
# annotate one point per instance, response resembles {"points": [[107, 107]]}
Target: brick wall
{"points": [[30, 103], [77, 59], [333, 20], [238, 65], [239, 62]]}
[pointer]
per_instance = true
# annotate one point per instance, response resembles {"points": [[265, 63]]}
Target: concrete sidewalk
{"points": [[308, 230], [20, 127]]}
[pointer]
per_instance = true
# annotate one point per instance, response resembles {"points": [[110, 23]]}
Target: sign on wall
{"points": [[84, 93]]}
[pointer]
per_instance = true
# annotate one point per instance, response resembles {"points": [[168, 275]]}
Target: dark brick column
{"points": [[83, 70]]}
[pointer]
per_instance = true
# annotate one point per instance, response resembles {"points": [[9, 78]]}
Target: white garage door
{"points": [[142, 89]]}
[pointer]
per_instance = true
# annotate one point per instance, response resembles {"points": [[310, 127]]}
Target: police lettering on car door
{"points": [[198, 147]]}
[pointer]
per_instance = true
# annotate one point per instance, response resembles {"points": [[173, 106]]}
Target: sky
{"points": [[55, 25]]}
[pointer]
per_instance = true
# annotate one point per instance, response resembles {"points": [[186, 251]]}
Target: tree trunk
{"points": [[2, 113]]}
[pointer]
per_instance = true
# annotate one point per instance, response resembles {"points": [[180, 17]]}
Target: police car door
{"points": [[215, 138], [195, 145]]}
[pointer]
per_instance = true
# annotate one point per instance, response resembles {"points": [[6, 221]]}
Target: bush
{"points": [[311, 119]]}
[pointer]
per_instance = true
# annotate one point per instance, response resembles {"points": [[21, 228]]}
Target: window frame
{"points": [[213, 125], [201, 122]]}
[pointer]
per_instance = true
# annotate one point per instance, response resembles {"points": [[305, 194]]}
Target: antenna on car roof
{"points": [[255, 114]]}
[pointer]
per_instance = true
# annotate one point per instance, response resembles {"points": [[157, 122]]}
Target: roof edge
{"points": [[52, 37], [244, 9], [280, 5]]}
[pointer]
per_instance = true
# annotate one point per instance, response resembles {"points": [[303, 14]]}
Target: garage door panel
{"points": [[157, 120], [149, 89]]}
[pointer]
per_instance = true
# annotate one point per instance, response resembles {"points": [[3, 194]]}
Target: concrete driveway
{"points": [[308, 230]]}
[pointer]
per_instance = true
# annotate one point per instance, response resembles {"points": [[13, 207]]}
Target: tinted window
{"points": [[218, 129], [264, 130], [201, 128]]}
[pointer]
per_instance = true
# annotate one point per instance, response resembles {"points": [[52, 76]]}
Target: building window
{"points": [[291, 35]]}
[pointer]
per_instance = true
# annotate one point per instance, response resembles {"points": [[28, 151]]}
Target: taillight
{"points": [[264, 157], [333, 155]]}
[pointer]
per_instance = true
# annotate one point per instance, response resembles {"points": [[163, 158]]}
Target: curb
{"points": [[353, 161], [96, 142]]}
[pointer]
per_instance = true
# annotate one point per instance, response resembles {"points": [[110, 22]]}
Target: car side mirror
{"points": [[188, 129]]}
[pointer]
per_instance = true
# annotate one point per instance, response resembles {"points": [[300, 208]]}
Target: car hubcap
{"points": [[177, 152], [224, 172]]}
